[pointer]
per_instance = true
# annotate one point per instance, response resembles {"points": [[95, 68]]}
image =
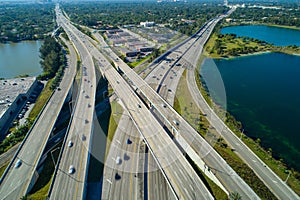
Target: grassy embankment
{"points": [[278, 166], [185, 106], [229, 46], [42, 99], [283, 26], [2, 169], [41, 187], [139, 62], [112, 117]]}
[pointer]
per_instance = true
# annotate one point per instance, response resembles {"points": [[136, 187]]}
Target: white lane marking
{"points": [[181, 171], [109, 181], [175, 173]]}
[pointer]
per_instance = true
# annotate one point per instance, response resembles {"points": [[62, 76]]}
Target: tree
{"points": [[52, 57], [235, 196]]}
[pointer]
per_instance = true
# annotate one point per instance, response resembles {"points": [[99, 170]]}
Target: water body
{"points": [[263, 92], [273, 35], [19, 59]]}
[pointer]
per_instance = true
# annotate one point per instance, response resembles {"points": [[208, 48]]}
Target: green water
{"points": [[263, 92], [19, 59]]}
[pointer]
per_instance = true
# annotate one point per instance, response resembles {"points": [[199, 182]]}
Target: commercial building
{"points": [[147, 24], [14, 95]]}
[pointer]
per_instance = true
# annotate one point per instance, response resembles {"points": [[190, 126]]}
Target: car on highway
{"points": [[70, 144], [83, 137], [71, 169], [118, 160], [117, 176], [126, 157], [128, 141], [175, 122], [18, 163]]}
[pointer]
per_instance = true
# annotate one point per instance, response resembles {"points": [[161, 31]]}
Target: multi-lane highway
{"points": [[231, 181], [167, 155], [278, 187], [180, 180], [138, 171], [179, 173], [17, 180], [275, 184], [122, 177], [70, 177], [173, 164]]}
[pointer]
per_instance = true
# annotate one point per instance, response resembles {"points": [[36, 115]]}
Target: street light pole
{"points": [[287, 177]]}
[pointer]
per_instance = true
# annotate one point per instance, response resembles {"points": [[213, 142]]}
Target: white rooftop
{"points": [[11, 88]]}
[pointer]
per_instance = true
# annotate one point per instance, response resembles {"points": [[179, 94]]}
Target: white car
{"points": [[176, 122], [118, 160], [70, 144], [18, 163], [71, 169]]}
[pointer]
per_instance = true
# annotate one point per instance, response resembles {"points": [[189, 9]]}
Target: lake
{"points": [[263, 92], [271, 34], [19, 59]]}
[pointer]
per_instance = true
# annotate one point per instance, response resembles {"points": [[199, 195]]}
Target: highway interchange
{"points": [[151, 135], [229, 178], [126, 161]]}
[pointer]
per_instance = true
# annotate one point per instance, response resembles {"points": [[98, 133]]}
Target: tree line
{"points": [[25, 21], [288, 17], [52, 60], [103, 15]]}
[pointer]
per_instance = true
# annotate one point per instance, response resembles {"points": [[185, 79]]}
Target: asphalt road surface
{"points": [[70, 184]]}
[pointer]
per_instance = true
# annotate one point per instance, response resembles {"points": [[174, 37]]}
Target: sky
{"points": [[230, 1]]}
